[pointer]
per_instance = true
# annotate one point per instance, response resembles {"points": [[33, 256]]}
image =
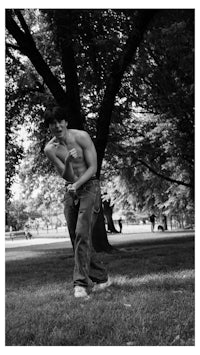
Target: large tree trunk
{"points": [[99, 236], [64, 22]]}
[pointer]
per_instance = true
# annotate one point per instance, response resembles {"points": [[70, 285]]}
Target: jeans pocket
{"points": [[67, 200], [91, 190], [97, 202]]}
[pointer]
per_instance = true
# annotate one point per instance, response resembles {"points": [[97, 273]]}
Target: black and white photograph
{"points": [[99, 177]]}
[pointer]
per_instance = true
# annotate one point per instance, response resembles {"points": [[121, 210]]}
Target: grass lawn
{"points": [[149, 303]]}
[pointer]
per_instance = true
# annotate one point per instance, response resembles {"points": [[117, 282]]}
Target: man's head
{"points": [[56, 119], [56, 113]]}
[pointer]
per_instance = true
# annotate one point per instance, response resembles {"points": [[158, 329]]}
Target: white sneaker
{"points": [[80, 292], [101, 286]]}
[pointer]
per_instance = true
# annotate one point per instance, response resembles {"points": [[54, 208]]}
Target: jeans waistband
{"points": [[90, 179]]}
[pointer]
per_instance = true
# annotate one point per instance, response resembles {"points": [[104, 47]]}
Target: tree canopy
{"points": [[126, 77]]}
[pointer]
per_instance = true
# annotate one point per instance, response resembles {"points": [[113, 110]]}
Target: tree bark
{"points": [[99, 236], [63, 22]]}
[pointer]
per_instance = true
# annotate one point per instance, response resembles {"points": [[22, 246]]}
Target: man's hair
{"points": [[55, 113]]}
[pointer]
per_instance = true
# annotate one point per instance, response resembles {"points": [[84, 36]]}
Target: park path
{"points": [[38, 247], [114, 239]]}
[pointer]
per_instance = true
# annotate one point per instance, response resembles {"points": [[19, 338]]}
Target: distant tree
{"points": [[16, 214]]}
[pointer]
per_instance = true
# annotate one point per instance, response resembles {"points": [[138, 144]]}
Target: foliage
{"points": [[41, 195], [14, 152], [16, 214], [151, 139], [165, 82], [85, 45]]}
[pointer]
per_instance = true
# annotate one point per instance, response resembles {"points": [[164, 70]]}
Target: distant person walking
{"points": [[11, 234], [164, 221], [120, 225], [152, 219]]}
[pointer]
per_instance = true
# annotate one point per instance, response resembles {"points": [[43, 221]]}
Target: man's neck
{"points": [[64, 140]]}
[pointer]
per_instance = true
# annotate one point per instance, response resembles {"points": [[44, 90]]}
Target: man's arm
{"points": [[66, 174], [50, 153]]}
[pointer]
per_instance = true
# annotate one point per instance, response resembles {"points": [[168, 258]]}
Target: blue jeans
{"points": [[81, 212]]}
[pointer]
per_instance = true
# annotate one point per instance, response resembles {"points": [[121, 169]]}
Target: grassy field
{"points": [[149, 303]]}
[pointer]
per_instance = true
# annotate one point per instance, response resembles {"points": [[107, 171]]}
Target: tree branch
{"points": [[27, 46], [114, 81], [9, 45], [179, 182], [23, 24]]}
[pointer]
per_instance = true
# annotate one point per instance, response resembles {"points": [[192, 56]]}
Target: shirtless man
{"points": [[74, 156]]}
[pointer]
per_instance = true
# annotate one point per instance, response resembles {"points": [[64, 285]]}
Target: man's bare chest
{"points": [[62, 151]]}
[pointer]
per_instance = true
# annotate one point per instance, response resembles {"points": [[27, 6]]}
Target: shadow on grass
{"points": [[150, 301], [130, 260]]}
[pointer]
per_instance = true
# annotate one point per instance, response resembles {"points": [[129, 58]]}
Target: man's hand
{"points": [[68, 172], [72, 155], [71, 188]]}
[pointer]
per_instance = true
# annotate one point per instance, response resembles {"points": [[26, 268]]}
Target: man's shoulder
{"points": [[80, 136], [78, 132]]}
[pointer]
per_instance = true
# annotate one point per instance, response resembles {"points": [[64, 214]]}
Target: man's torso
{"points": [[62, 151]]}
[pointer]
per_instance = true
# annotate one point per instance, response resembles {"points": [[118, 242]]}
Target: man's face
{"points": [[58, 128]]}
